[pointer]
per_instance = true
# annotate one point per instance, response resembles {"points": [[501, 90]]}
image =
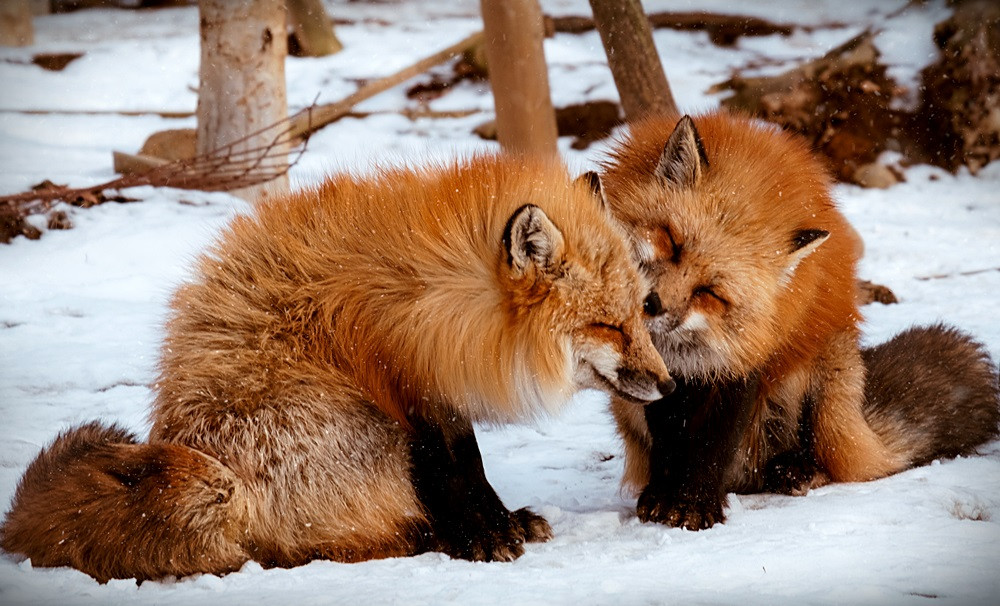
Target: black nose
{"points": [[666, 387], [652, 305]]}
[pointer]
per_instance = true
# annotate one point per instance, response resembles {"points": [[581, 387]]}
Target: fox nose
{"points": [[652, 306], [666, 387]]}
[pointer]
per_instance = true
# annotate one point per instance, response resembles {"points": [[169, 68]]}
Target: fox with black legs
{"points": [[753, 307], [321, 373]]}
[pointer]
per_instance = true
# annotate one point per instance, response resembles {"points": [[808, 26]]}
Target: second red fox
{"points": [[753, 307]]}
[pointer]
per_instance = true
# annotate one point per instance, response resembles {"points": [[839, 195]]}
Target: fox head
{"points": [[579, 292], [732, 245]]}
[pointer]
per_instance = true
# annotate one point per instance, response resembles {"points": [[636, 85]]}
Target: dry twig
{"points": [[223, 169]]}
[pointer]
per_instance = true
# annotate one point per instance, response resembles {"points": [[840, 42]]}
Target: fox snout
{"points": [[642, 375], [635, 372], [644, 386], [658, 317]]}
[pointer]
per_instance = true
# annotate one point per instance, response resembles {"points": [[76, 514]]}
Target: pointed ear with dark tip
{"points": [[808, 239], [593, 181], [532, 240], [683, 160], [804, 243]]}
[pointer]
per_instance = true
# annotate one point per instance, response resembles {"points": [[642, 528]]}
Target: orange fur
{"points": [[317, 326], [753, 305]]}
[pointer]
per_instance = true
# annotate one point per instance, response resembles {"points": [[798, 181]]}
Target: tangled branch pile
{"points": [[843, 101]]}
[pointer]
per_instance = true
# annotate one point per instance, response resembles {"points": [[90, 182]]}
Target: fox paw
{"points": [[693, 513], [534, 528], [500, 539], [793, 474]]}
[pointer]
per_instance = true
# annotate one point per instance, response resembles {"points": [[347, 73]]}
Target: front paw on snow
{"points": [[680, 511]]}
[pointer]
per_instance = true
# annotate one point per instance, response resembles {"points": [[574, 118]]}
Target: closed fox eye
{"points": [[710, 292], [607, 332]]}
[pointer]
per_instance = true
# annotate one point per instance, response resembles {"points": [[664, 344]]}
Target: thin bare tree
{"points": [[312, 28], [632, 57], [16, 28], [526, 121]]}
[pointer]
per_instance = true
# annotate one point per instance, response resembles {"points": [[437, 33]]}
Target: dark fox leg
{"points": [[467, 518], [113, 508], [696, 431], [795, 471]]}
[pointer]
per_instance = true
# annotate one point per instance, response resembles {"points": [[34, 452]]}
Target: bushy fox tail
{"points": [[98, 501], [931, 392]]}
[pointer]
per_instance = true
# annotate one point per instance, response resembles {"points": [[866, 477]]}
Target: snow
{"points": [[81, 316]]}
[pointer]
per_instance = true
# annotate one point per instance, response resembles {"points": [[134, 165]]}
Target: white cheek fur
{"points": [[694, 321], [605, 360]]}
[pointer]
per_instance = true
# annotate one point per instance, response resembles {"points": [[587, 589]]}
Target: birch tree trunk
{"points": [[16, 28], [635, 65], [242, 82], [526, 121]]}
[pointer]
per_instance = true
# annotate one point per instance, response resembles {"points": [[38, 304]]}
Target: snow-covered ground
{"points": [[81, 313]]}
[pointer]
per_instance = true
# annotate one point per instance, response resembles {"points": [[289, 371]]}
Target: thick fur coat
{"points": [[321, 372]]}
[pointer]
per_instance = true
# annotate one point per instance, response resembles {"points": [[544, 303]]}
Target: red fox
{"points": [[321, 373], [753, 308]]}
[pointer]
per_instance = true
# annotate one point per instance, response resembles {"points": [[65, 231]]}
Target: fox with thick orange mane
{"points": [[321, 373], [753, 308]]}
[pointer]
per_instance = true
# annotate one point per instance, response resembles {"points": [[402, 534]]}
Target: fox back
{"points": [[489, 286]]}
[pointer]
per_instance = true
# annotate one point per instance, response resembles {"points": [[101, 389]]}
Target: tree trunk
{"points": [[526, 122], [15, 23], [312, 29], [242, 84], [635, 66]]}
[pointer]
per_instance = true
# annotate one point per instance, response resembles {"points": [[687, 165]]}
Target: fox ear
{"points": [[531, 239], [804, 243], [593, 181], [683, 160]]}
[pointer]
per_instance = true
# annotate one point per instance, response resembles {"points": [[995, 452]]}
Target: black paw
{"points": [[679, 511], [498, 539], [792, 473]]}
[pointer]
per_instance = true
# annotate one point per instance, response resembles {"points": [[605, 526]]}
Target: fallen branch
{"points": [[100, 112], [224, 169], [326, 114], [751, 94], [971, 272], [723, 30]]}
